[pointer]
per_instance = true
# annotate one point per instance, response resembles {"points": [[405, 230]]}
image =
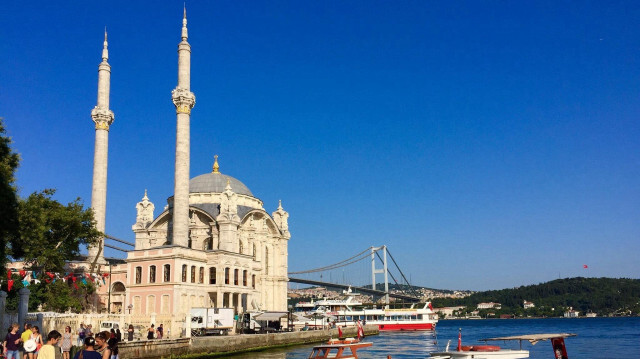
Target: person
{"points": [[88, 330], [118, 335], [113, 346], [37, 338], [11, 342], [66, 342], [26, 335], [130, 332], [49, 350], [88, 352], [112, 333], [82, 333], [159, 331], [101, 344], [306, 327], [150, 332]]}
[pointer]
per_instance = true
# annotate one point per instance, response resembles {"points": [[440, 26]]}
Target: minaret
{"points": [[103, 118], [184, 100]]}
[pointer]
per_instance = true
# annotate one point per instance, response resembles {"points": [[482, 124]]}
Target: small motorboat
{"points": [[339, 349], [495, 352]]}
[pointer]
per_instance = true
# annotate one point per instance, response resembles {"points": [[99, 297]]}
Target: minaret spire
{"points": [[184, 100], [103, 118]]}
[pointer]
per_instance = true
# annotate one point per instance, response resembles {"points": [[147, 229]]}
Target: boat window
{"points": [[420, 316]]}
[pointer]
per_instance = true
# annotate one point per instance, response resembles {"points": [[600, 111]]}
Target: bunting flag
{"points": [[9, 284], [585, 266], [31, 277], [23, 273], [9, 273], [25, 283]]}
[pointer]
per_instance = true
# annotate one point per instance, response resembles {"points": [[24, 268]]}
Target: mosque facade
{"points": [[213, 244]]}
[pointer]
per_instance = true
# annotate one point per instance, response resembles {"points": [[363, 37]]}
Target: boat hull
{"points": [[405, 326]]}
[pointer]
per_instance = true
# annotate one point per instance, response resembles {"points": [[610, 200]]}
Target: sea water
{"points": [[598, 338]]}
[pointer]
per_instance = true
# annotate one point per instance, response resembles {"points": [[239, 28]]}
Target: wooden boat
{"points": [[495, 352], [339, 349]]}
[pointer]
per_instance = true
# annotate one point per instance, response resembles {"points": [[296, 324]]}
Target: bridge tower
{"points": [[383, 270]]}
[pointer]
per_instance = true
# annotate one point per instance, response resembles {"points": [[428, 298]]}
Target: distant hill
{"points": [[604, 296]]}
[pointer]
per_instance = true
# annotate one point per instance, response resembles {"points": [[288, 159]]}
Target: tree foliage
{"points": [[9, 161], [605, 296], [51, 233]]}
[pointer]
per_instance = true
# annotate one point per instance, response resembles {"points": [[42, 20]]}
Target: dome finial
{"points": [[216, 166], [228, 188], [145, 194], [105, 52], [280, 204]]}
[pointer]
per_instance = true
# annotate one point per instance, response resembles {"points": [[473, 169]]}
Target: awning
{"points": [[271, 316]]}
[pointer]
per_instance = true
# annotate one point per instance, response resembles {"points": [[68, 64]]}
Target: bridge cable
{"points": [[336, 265], [402, 274]]}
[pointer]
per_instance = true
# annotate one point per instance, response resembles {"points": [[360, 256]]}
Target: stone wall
{"points": [[227, 344]]}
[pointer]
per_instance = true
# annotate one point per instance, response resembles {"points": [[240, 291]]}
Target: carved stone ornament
{"points": [[183, 99], [102, 117]]}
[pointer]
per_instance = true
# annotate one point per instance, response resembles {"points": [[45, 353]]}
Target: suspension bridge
{"points": [[374, 256], [370, 258]]}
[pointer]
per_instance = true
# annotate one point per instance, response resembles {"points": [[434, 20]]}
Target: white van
{"points": [[108, 325]]}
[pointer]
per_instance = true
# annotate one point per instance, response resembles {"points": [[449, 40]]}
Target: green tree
{"points": [[51, 233], [9, 161]]}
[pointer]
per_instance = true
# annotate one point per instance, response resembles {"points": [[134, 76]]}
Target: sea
{"points": [[597, 338]]}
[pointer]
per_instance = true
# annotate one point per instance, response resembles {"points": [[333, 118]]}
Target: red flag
{"points": [[460, 339], [585, 266], [430, 307], [339, 332]]}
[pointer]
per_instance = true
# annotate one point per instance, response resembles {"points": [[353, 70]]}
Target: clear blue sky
{"points": [[488, 144]]}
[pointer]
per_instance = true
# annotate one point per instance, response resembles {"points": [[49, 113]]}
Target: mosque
{"points": [[213, 245]]}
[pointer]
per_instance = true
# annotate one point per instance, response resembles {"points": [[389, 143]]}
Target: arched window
{"points": [[152, 274], [193, 274], [184, 272], [235, 276], [212, 275], [244, 278], [226, 275], [253, 281], [201, 279], [167, 272], [138, 275], [241, 249], [208, 244]]}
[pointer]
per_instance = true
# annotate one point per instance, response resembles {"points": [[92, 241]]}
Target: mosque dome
{"points": [[216, 182]]}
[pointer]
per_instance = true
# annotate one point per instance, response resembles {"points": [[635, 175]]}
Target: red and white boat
{"points": [[409, 319], [347, 312]]}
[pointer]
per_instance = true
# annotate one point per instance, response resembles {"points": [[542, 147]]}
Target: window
{"points": [[254, 252], [152, 274], [244, 278], [138, 275], [193, 274], [167, 272], [212, 275], [235, 276], [253, 281], [201, 277], [184, 272], [226, 275]]}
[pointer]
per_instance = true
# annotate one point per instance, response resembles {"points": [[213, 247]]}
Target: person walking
{"points": [[113, 347], [82, 333], [66, 342], [37, 338], [88, 352], [24, 337], [49, 350], [11, 342]]}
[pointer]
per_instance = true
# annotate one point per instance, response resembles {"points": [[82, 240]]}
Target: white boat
{"points": [[346, 313], [495, 352]]}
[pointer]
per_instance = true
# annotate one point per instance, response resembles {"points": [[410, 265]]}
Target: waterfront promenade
{"points": [[152, 349]]}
